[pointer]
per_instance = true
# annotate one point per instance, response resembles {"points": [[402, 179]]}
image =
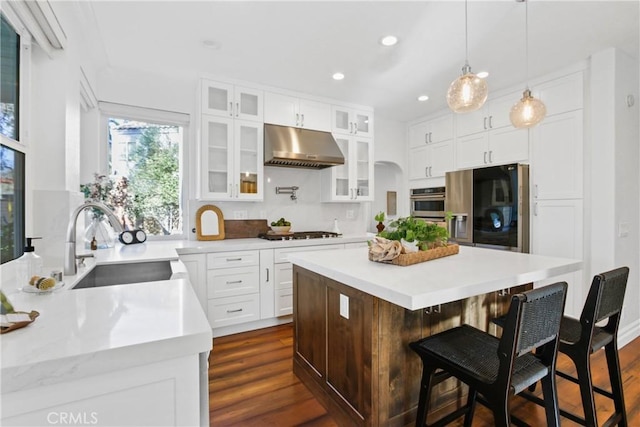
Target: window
{"points": [[10, 71], [146, 169], [11, 203], [12, 156]]}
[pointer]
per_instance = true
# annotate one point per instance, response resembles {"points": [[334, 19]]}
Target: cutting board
{"points": [[244, 228]]}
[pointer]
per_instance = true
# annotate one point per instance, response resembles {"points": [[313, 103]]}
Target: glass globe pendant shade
{"points": [[527, 112], [467, 93]]}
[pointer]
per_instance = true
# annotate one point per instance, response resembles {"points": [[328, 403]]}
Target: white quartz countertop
{"points": [[473, 271], [169, 250], [84, 332]]}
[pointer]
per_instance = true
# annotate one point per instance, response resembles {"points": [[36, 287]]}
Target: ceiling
{"points": [[299, 45]]}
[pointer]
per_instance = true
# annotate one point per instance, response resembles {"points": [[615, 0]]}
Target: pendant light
{"points": [[468, 92], [529, 111]]}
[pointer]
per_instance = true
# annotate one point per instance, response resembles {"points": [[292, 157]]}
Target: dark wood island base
{"points": [[358, 363]]}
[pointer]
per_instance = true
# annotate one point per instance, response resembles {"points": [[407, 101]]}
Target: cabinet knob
{"points": [[485, 157], [297, 119], [485, 124], [490, 122], [237, 109], [302, 120], [231, 109]]}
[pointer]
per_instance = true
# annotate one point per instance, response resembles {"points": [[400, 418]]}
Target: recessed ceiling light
{"points": [[483, 74], [211, 44], [389, 40], [423, 97], [338, 76]]}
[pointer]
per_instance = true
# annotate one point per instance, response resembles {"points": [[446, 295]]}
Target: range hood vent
{"points": [[300, 148]]}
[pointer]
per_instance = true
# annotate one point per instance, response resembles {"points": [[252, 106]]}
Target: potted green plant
{"points": [[417, 233], [379, 217]]}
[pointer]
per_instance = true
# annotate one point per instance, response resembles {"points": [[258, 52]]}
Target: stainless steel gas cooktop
{"points": [[298, 235]]}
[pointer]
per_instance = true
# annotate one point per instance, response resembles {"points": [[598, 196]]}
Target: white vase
{"points": [[101, 230], [410, 246]]}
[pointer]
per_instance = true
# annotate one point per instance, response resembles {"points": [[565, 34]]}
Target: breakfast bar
{"points": [[354, 319]]}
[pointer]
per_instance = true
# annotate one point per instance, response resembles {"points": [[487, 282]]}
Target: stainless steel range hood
{"points": [[300, 148]]}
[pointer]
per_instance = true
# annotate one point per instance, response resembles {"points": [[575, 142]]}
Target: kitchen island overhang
{"points": [[354, 320], [473, 271]]}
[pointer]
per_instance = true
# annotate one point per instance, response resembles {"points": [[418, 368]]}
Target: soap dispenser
{"points": [[335, 227], [29, 264]]}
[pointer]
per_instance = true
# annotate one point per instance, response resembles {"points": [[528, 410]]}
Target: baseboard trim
{"points": [[628, 333]]}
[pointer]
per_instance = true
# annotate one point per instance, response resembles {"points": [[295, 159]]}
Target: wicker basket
{"points": [[422, 256]]}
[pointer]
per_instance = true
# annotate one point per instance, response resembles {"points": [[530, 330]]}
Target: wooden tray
{"points": [[422, 256], [32, 315]]}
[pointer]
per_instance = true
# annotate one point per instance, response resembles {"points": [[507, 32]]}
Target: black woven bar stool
{"points": [[496, 369], [579, 339]]}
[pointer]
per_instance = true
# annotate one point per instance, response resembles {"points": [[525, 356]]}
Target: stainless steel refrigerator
{"points": [[490, 207]]}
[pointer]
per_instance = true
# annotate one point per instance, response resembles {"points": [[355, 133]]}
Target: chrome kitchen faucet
{"points": [[70, 268]]}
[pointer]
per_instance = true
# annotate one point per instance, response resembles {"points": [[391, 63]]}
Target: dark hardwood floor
{"points": [[251, 383]]}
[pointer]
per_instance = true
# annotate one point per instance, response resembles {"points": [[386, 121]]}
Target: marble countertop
{"points": [[473, 271], [84, 332]]}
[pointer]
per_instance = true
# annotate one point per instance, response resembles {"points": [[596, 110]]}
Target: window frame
{"points": [[22, 144], [156, 116]]}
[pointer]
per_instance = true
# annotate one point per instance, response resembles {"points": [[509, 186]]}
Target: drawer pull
{"points": [[233, 282], [238, 310], [234, 259]]}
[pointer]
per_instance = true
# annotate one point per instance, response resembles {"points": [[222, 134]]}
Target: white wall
{"points": [[627, 185], [612, 160], [55, 134]]}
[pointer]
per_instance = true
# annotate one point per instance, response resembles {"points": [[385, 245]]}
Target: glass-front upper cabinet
{"points": [[231, 159], [352, 181], [227, 100], [352, 122]]}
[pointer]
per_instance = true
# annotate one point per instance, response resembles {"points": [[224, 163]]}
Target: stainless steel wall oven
{"points": [[428, 203]]}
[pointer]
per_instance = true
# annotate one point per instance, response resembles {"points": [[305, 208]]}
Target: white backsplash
{"points": [[307, 213]]}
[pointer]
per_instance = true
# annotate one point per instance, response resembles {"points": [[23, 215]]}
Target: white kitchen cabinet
{"points": [[563, 94], [494, 114], [233, 287], [351, 122], [495, 147], [232, 159], [284, 276], [557, 157], [288, 110], [154, 393], [284, 289], [352, 181], [267, 284], [227, 100], [557, 230], [431, 131], [431, 160], [196, 265]]}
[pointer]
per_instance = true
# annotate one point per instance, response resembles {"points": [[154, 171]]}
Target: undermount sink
{"points": [[120, 274]]}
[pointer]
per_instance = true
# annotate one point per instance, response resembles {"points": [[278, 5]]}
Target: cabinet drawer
{"points": [[232, 259], [284, 276], [233, 310], [227, 282], [282, 255], [284, 302]]}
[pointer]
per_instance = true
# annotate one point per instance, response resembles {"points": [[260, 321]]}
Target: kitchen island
{"points": [[354, 318]]}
